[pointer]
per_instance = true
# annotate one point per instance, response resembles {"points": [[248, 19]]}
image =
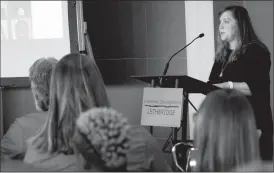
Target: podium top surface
{"points": [[189, 84]]}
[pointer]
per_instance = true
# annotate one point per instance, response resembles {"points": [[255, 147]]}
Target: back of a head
{"points": [[40, 75], [102, 139], [225, 133], [81, 74], [76, 86]]}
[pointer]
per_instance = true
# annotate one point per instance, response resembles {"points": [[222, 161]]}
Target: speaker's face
{"points": [[228, 28]]}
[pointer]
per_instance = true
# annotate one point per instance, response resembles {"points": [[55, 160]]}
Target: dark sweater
{"points": [[251, 66]]}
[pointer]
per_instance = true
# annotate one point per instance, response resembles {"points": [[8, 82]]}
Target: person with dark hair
{"points": [[242, 62], [13, 143], [225, 133]]}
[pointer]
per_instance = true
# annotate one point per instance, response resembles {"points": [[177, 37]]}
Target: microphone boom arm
{"points": [[167, 64]]}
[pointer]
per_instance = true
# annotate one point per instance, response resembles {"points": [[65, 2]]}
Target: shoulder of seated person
{"points": [[33, 117], [136, 134], [137, 156], [38, 114], [141, 141]]}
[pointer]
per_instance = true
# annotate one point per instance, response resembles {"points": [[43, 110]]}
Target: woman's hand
{"points": [[240, 86]]}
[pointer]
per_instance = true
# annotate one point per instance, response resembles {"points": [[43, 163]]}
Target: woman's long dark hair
{"points": [[246, 33]]}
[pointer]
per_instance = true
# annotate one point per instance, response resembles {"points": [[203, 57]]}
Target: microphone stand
{"points": [[161, 84], [167, 64]]}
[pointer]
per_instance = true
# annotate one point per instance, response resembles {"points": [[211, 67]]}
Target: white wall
{"points": [[200, 55]]}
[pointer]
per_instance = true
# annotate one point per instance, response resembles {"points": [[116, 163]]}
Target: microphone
{"points": [[167, 64]]}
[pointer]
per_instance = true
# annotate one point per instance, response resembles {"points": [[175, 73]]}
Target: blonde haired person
{"points": [[225, 132], [76, 86], [13, 143], [102, 139]]}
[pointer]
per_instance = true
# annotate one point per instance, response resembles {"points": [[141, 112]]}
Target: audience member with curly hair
{"points": [[102, 139]]}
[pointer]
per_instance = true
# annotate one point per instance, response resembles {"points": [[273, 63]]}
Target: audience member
{"points": [[13, 143], [76, 86], [102, 139], [225, 132], [139, 150]]}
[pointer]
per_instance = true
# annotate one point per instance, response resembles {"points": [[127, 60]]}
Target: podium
{"points": [[190, 86]]}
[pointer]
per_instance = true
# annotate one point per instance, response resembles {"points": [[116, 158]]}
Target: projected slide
{"points": [[31, 30], [31, 20]]}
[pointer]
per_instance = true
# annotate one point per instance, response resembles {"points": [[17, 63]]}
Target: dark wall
{"points": [[135, 38]]}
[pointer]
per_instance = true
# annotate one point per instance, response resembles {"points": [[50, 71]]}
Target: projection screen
{"points": [[31, 30]]}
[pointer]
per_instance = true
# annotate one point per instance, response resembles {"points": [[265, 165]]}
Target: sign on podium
{"points": [[162, 107]]}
